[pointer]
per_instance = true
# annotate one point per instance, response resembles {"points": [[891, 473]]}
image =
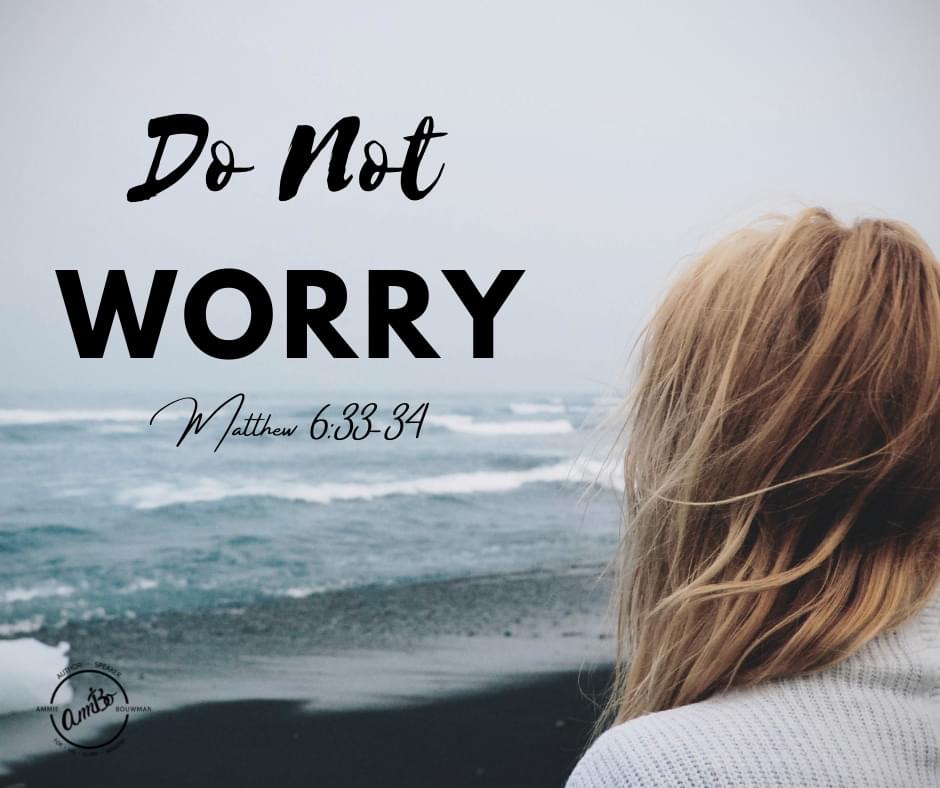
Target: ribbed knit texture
{"points": [[871, 720]]}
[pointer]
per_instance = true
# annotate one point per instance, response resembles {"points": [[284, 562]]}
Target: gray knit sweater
{"points": [[871, 720]]}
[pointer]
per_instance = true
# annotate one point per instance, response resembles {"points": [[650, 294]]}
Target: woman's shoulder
{"points": [[687, 746], [836, 728], [870, 720]]}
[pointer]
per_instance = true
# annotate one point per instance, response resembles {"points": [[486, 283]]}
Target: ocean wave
{"points": [[12, 595], [28, 417], [301, 592], [155, 496], [22, 627], [38, 535], [118, 429], [536, 408], [468, 425], [139, 584], [56, 530]]}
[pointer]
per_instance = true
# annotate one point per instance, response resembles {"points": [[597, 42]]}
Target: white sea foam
{"points": [[22, 627], [467, 424], [536, 408], [18, 594], [27, 673], [300, 592], [140, 584], [154, 496], [26, 416]]}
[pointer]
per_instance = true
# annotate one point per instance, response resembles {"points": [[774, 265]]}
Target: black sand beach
{"points": [[518, 735], [492, 680]]}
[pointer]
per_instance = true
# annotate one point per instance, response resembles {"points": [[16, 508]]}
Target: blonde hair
{"points": [[782, 465]]}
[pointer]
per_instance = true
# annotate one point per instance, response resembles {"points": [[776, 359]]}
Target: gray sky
{"points": [[597, 145]]}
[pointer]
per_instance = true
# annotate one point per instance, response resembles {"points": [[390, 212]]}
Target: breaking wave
{"points": [[153, 496]]}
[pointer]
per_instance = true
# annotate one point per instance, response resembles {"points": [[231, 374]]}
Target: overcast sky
{"points": [[596, 145]]}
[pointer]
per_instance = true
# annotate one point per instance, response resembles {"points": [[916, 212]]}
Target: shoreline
{"points": [[521, 733], [511, 623], [370, 651]]}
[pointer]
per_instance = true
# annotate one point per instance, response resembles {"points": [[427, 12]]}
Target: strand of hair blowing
{"points": [[782, 464]]}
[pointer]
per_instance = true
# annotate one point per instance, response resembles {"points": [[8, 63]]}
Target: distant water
{"points": [[102, 517]]}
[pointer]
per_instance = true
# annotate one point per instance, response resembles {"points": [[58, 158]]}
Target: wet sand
{"points": [[517, 734], [492, 680]]}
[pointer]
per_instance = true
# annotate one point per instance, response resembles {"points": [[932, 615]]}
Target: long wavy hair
{"points": [[782, 465]]}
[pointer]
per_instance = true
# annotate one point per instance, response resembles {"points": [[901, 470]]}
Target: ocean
{"points": [[104, 519]]}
